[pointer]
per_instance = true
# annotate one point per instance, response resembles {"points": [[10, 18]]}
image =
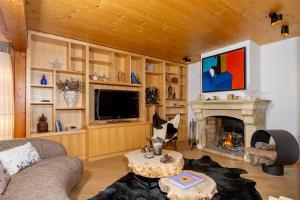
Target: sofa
{"points": [[52, 178]]}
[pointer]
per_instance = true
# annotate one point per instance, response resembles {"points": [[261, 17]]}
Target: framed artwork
{"points": [[225, 71]]}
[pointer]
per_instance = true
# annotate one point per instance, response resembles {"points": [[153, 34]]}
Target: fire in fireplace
{"points": [[231, 134], [225, 134]]}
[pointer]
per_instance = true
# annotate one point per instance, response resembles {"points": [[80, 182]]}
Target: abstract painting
{"points": [[224, 72]]}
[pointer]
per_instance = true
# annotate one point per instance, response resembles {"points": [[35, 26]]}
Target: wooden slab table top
{"points": [[203, 191], [153, 168]]}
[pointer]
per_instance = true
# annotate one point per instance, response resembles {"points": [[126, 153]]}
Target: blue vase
{"points": [[43, 80]]}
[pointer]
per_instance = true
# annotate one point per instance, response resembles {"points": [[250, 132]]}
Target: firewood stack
{"points": [[262, 153]]}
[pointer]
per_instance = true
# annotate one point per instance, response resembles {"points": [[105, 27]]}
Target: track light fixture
{"points": [[275, 18], [285, 31], [187, 60]]}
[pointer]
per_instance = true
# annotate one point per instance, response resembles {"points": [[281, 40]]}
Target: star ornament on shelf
{"points": [[56, 63]]}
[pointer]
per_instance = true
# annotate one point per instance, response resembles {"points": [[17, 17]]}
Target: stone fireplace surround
{"points": [[251, 112]]}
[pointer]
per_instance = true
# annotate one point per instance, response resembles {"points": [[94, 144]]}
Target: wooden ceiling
{"points": [[168, 29], [12, 23]]}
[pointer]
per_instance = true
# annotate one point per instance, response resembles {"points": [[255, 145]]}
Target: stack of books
{"points": [[186, 180]]}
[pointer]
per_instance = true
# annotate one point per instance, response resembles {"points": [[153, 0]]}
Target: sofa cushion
{"points": [[4, 179], [52, 178], [18, 158]]}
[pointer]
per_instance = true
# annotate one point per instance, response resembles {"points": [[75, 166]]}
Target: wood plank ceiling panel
{"points": [[12, 23], [168, 29]]}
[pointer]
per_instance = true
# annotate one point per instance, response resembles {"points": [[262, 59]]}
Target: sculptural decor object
{"points": [[42, 126], [152, 95]]}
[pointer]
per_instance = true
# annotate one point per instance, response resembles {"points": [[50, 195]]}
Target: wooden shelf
{"points": [[171, 114], [170, 83], [115, 83], [175, 99], [175, 106], [42, 69], [170, 73], [41, 86], [99, 62], [70, 71], [77, 58], [42, 103], [156, 105], [154, 74], [70, 108], [36, 134]]}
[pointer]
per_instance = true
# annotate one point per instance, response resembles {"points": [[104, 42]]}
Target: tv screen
{"points": [[225, 71], [116, 104]]}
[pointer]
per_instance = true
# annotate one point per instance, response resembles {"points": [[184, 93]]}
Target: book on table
{"points": [[186, 180]]}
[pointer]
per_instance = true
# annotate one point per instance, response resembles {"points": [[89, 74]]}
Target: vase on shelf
{"points": [[42, 126], [43, 80], [71, 98]]}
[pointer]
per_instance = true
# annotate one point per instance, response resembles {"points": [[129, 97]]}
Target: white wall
{"points": [[273, 70], [252, 72], [280, 74]]}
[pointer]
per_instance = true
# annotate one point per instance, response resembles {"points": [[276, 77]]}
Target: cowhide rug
{"points": [[230, 185]]}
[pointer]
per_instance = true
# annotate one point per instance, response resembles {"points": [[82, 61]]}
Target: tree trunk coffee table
{"points": [[203, 191], [153, 168]]}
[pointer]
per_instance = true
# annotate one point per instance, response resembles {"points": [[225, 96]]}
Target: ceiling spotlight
{"points": [[187, 60], [285, 31], [275, 18]]}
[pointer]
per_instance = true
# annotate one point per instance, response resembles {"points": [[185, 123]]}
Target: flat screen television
{"points": [[116, 104]]}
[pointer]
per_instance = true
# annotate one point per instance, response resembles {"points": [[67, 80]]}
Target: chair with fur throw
{"points": [[166, 130]]}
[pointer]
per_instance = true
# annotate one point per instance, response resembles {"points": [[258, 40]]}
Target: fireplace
{"points": [[225, 127], [225, 134]]}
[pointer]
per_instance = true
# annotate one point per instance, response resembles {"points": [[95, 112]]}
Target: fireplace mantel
{"points": [[251, 112]]}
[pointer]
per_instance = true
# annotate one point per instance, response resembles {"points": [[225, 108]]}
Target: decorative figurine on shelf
{"points": [[71, 88], [170, 92], [121, 76], [56, 64], [43, 80], [174, 95], [42, 126], [103, 77], [152, 95], [94, 76]]}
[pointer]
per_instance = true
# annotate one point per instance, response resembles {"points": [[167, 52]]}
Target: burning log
{"points": [[271, 155], [258, 160], [266, 146]]}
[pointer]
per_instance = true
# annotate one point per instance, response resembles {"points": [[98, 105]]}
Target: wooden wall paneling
{"points": [[20, 94], [54, 138], [74, 144], [13, 13], [132, 137]]}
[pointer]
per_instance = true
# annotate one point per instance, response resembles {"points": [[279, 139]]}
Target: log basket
{"points": [[287, 149]]}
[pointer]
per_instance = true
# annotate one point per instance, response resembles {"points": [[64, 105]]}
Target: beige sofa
{"points": [[52, 178]]}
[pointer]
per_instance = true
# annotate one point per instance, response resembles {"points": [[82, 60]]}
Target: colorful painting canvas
{"points": [[224, 72]]}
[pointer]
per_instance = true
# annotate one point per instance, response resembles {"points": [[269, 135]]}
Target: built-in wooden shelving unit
{"points": [[61, 58]]}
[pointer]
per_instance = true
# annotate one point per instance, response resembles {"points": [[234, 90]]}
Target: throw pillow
{"points": [[4, 179], [18, 158]]}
